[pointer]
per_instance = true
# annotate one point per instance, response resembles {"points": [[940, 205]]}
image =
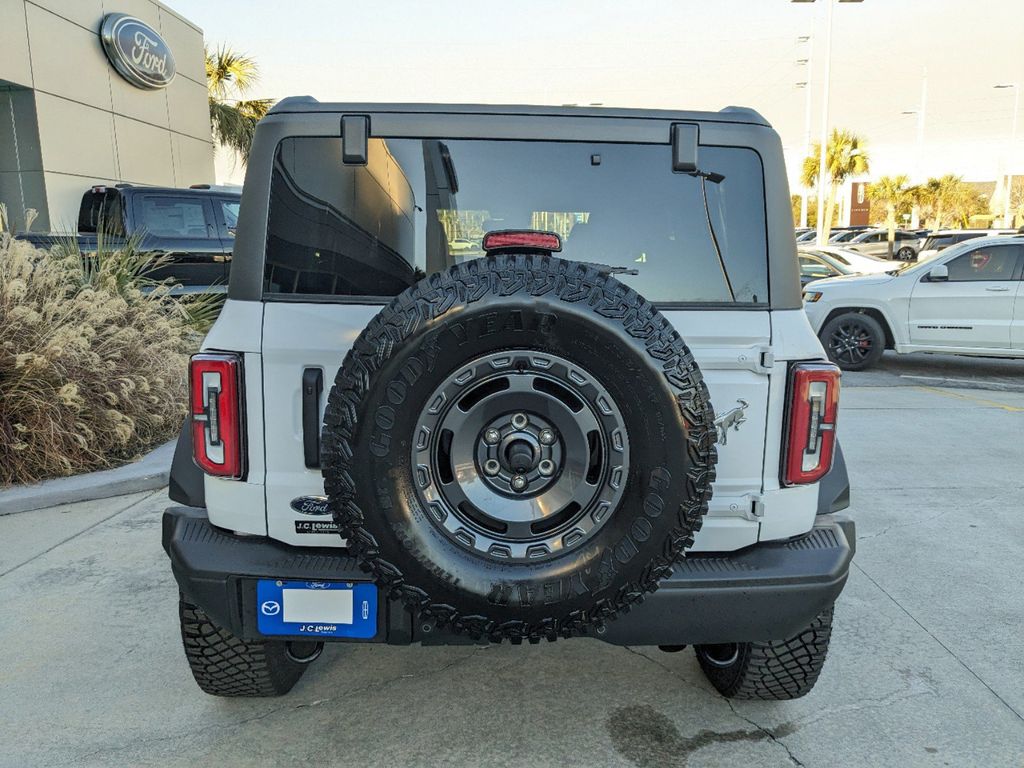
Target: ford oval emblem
{"points": [[311, 505], [137, 51]]}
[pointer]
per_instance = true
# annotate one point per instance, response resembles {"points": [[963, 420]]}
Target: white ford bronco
{"points": [[511, 373]]}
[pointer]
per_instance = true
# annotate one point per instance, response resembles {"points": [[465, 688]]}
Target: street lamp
{"points": [[1008, 217], [806, 85], [921, 111], [824, 113]]}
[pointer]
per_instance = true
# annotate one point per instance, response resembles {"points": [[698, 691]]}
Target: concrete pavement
{"points": [[924, 670]]}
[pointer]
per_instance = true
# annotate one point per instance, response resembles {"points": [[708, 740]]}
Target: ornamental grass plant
{"points": [[93, 357]]}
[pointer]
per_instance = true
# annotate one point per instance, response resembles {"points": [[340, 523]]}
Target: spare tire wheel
{"points": [[519, 447]]}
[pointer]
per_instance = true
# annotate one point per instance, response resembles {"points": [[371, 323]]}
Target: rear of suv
{"points": [[611, 419]]}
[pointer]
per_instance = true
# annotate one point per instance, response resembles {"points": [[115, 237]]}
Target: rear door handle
{"points": [[312, 386], [997, 288]]}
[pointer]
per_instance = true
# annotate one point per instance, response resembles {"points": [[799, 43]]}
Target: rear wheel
{"points": [[905, 254], [853, 341], [774, 670], [224, 665]]}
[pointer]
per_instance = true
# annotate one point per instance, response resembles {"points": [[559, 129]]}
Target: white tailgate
{"points": [[728, 346]]}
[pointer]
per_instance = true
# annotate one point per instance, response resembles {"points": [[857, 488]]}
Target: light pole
{"points": [[806, 85], [824, 113], [921, 111], [1008, 215]]}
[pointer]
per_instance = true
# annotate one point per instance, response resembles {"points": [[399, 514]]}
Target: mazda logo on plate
{"points": [[270, 608]]}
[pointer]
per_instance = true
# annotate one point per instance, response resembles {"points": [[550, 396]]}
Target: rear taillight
{"points": [[215, 399], [811, 422]]}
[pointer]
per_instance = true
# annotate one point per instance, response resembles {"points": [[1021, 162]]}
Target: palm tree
{"points": [[229, 76], [893, 193], [845, 156]]}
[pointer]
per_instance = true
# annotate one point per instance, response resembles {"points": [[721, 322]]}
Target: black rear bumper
{"points": [[766, 591]]}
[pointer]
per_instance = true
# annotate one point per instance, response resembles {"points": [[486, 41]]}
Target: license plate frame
{"points": [[290, 608]]}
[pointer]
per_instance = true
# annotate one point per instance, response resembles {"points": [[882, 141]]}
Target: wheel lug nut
{"points": [[546, 467], [547, 437], [518, 483], [491, 467], [519, 420], [492, 436]]}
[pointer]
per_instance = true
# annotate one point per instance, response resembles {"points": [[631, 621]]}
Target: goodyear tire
{"points": [[519, 448]]}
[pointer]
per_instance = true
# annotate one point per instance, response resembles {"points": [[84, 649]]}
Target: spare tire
{"points": [[519, 447]]}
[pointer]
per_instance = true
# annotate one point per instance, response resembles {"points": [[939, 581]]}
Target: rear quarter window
{"points": [[366, 233]]}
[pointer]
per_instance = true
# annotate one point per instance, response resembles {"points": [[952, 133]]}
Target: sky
{"points": [[664, 54]]}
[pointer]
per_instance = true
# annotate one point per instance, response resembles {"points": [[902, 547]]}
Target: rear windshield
{"points": [[419, 206]]}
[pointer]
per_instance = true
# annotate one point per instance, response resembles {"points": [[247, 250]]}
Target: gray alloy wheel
{"points": [[525, 464]]}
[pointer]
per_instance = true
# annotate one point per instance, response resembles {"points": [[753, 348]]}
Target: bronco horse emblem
{"points": [[731, 419]]}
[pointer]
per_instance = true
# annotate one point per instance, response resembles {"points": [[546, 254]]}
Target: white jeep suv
{"points": [[968, 300]]}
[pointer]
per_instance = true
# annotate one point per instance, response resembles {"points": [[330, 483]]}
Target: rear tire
{"points": [[906, 254], [224, 665], [853, 341], [772, 671]]}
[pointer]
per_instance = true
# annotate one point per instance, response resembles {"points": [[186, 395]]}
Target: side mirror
{"points": [[938, 274]]}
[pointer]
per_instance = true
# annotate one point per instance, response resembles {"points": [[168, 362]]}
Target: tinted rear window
{"points": [[419, 206]]}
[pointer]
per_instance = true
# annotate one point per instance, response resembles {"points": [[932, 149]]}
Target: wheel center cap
{"points": [[520, 456]]}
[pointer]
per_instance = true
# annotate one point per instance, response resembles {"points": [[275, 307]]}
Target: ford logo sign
{"points": [[137, 51], [311, 505]]}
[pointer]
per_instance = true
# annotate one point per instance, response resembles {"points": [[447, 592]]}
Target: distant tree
{"points": [[230, 76], [894, 193], [846, 156]]}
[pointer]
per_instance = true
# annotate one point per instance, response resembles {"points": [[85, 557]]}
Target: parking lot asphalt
{"points": [[925, 666]]}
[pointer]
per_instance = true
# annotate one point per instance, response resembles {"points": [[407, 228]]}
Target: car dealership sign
{"points": [[137, 51]]}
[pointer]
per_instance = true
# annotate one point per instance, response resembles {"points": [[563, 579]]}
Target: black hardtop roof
{"points": [[203, 190], [301, 104]]}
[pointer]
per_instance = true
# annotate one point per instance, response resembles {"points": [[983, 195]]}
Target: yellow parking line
{"points": [[972, 398]]}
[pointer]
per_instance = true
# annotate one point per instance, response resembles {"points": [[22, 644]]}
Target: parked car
{"points": [[966, 300], [806, 236], [845, 234], [875, 242], [194, 228], [857, 263], [399, 447], [939, 241], [461, 244], [817, 266]]}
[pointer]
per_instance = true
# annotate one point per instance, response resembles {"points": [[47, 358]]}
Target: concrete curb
{"points": [[147, 474]]}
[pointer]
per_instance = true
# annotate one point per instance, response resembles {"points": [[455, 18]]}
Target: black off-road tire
{"points": [[856, 323], [532, 304], [224, 665], [772, 671]]}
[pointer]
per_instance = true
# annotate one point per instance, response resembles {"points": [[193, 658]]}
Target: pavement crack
{"points": [[62, 542], [941, 644], [773, 736]]}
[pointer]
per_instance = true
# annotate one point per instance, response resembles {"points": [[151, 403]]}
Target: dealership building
{"points": [[97, 92]]}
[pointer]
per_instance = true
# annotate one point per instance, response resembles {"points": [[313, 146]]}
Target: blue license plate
{"points": [[316, 608]]}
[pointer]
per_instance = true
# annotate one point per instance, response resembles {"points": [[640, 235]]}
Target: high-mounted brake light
{"points": [[522, 239], [216, 409], [811, 419]]}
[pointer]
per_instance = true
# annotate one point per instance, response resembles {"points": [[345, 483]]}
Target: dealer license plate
{"points": [[316, 608]]}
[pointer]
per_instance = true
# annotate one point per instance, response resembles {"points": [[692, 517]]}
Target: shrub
{"points": [[93, 359]]}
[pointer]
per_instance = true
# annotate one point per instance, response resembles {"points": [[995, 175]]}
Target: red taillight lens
{"points": [[522, 238], [811, 437], [216, 408]]}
